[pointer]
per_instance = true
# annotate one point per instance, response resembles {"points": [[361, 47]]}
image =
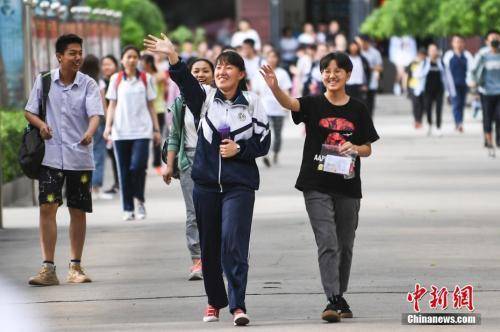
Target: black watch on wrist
{"points": [[156, 130]]}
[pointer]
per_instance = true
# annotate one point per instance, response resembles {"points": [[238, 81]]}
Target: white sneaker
{"points": [[240, 318], [141, 211], [105, 196], [128, 215], [429, 131], [439, 132]]}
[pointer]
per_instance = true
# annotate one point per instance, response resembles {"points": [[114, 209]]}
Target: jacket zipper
{"points": [[220, 158]]}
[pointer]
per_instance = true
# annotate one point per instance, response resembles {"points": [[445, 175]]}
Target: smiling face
{"points": [[71, 58], [202, 72], [108, 67], [272, 59], [130, 59], [227, 76], [334, 78]]}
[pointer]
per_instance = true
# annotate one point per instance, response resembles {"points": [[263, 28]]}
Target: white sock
{"points": [[50, 266]]}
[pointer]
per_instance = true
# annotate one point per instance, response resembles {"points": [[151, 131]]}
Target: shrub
{"points": [[12, 124]]}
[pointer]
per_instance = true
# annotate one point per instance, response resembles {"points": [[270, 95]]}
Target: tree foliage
{"points": [[140, 18], [427, 18]]}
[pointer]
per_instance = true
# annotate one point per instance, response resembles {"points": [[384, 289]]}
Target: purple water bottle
{"points": [[224, 131]]}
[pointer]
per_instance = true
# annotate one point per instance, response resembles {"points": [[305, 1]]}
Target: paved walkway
{"points": [[430, 214]]}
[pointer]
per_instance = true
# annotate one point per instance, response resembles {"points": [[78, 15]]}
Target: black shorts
{"points": [[78, 188]]}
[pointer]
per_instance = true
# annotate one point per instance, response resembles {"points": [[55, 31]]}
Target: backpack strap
{"points": [[119, 79], [144, 78], [46, 81]]}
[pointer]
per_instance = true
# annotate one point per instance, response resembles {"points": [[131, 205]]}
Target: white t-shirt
{"points": [[305, 38], [271, 105], [374, 58], [132, 119], [252, 66], [240, 36], [357, 74], [304, 65], [190, 132]]}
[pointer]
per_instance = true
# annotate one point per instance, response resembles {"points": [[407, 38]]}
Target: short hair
{"points": [[457, 35], [112, 58], [276, 53], [491, 32], [150, 60], [342, 59], [422, 50], [250, 42], [64, 41], [128, 48], [90, 66], [192, 61], [364, 37]]}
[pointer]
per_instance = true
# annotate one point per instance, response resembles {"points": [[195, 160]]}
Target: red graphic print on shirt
{"points": [[341, 128]]}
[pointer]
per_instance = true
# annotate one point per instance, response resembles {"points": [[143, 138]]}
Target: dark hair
{"points": [[491, 32], [250, 42], [195, 60], [128, 48], [112, 58], [90, 66], [458, 36], [353, 42], [364, 37], [432, 43], [276, 53], [150, 60], [64, 40], [341, 58], [422, 50], [233, 58], [286, 30]]}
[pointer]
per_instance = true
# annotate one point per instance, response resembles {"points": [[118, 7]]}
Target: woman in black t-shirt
{"points": [[338, 130]]}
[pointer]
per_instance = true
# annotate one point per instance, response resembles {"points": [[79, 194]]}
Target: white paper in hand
{"points": [[337, 164]]}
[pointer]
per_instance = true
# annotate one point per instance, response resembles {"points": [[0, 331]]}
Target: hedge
{"points": [[12, 124]]}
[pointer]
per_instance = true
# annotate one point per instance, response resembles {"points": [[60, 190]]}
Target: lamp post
{"points": [[54, 8], [45, 7], [62, 12], [28, 48]]}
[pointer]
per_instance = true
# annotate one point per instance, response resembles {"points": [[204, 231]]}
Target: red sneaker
{"points": [[195, 272], [240, 318], [211, 314]]}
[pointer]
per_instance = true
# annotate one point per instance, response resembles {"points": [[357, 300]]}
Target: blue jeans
{"points": [[458, 104], [99, 156], [132, 159], [224, 222]]}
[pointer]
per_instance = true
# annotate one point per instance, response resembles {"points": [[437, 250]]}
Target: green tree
{"points": [[401, 17], [456, 17], [140, 18], [489, 17], [181, 34], [426, 18]]}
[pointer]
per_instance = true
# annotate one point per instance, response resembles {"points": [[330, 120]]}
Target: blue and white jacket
{"points": [[247, 119]]}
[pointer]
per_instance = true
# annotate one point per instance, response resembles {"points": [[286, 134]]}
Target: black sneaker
{"points": [[345, 310], [331, 313], [112, 191], [267, 162]]}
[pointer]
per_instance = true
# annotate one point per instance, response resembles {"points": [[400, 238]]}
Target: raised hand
{"points": [[159, 45], [269, 76]]}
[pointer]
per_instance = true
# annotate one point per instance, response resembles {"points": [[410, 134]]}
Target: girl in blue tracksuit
{"points": [[232, 132]]}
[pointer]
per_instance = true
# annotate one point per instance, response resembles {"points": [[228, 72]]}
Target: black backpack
{"points": [[32, 149]]}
